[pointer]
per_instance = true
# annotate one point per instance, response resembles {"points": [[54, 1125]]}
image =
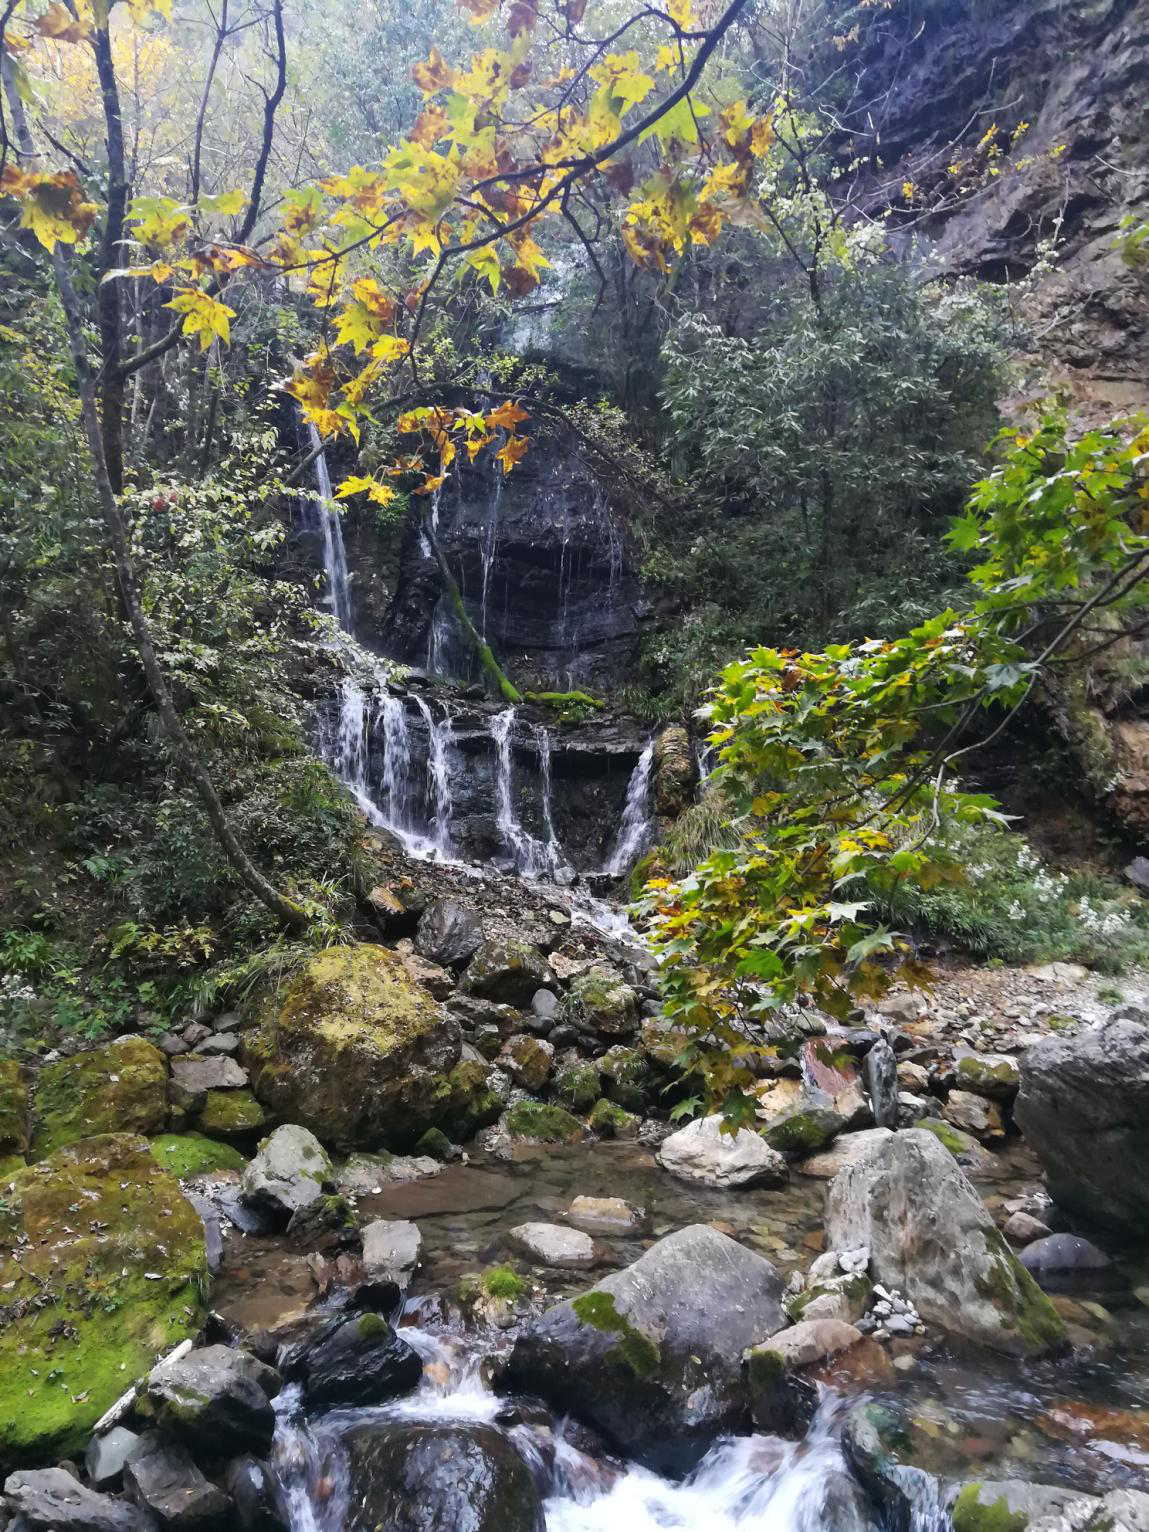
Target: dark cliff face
{"points": [[541, 560], [924, 77]]}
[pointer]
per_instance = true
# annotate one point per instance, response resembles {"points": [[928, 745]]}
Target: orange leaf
{"points": [[507, 415], [511, 451], [434, 74]]}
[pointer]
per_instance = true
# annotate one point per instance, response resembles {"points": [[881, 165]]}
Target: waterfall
{"points": [[635, 826], [344, 743], [440, 738], [397, 772], [556, 863], [533, 858], [489, 545], [321, 515]]}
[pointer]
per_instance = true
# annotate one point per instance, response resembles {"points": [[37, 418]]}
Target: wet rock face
{"points": [[562, 604], [135, 1221], [353, 1359], [441, 1478], [49, 1498], [640, 1358], [929, 1235], [1084, 1108], [353, 1014]]}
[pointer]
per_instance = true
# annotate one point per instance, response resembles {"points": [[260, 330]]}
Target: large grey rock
{"points": [[880, 1073], [290, 1171], [652, 1356], [807, 1122], [162, 1477], [50, 1500], [845, 1150], [1066, 1263], [552, 1244], [601, 1003], [702, 1152], [391, 1250], [196, 1074], [507, 971], [929, 1235], [106, 1455], [1017, 1497], [994, 1075], [215, 1395], [1083, 1106], [363, 1174], [430, 1477], [449, 934]]}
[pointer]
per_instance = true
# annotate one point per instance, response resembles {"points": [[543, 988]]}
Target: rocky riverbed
{"points": [[409, 1240]]}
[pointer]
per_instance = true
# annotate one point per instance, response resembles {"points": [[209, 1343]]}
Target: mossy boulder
{"points": [[577, 1085], [119, 1088], [601, 1002], [508, 971], [627, 1075], [13, 1108], [528, 1061], [467, 1102], [542, 1124], [354, 1049], [673, 785], [112, 1272], [230, 1114], [609, 1120], [191, 1154]]}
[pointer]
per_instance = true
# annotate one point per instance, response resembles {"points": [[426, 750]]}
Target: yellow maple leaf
{"points": [[142, 9], [61, 26], [506, 416], [357, 484], [511, 451], [433, 74], [389, 348], [51, 205], [204, 316]]}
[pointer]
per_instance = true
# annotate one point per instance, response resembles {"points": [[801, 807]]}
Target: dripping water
{"points": [[320, 515]]}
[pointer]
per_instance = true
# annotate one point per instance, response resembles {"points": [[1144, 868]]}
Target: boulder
{"points": [[542, 1124], [879, 1446], [1010, 1504], [802, 1124], [98, 1217], [106, 1455], [14, 1119], [607, 1215], [50, 1500], [601, 1003], [1066, 1263], [215, 1398], [467, 1101], [1083, 1106], [609, 1120], [880, 1074], [364, 1174], [995, 1075], [260, 1504], [449, 934], [1023, 1228], [545, 1005], [552, 1244], [230, 1114], [703, 1152], [846, 1150], [429, 1477], [643, 1360], [352, 1359], [161, 1476], [120, 1088], [290, 1170], [507, 971], [391, 1250], [626, 1074], [930, 1236], [353, 1014], [966, 1150], [528, 1061], [196, 1074], [672, 779], [974, 1114], [577, 1085], [810, 1340]]}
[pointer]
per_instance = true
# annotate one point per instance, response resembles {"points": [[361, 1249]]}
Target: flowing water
{"points": [[635, 828], [321, 515]]}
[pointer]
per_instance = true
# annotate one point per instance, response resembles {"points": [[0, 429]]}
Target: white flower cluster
{"points": [[1049, 886], [1102, 922], [1016, 911], [13, 987]]}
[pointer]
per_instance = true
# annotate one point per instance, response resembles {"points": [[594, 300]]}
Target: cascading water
{"points": [[489, 544], [529, 854], [635, 826], [440, 739], [321, 515]]}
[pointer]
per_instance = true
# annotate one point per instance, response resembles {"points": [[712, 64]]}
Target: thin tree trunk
{"points": [[108, 292]]}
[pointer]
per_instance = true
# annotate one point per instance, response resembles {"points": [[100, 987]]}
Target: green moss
{"points": [[434, 1143], [765, 1369], [610, 1120], [985, 1072], [627, 1076], [547, 1124], [112, 1272], [504, 1282], [566, 699], [230, 1114], [13, 1108], [372, 1327], [1019, 1300], [632, 1349], [953, 1138], [801, 1133], [190, 1154], [121, 1088], [577, 1086], [468, 1102], [970, 1515]]}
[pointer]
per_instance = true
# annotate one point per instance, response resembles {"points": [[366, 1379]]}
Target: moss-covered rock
{"points": [[543, 1124], [509, 971], [601, 1002], [13, 1108], [577, 1085], [353, 1049], [112, 1272], [673, 784], [609, 1120], [120, 1088], [528, 1061], [627, 1075], [230, 1114], [467, 1102], [190, 1154], [436, 1144]]}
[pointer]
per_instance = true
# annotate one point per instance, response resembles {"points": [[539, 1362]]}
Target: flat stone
{"points": [[391, 1250], [226, 1043], [1022, 1228], [162, 1476], [811, 1340], [50, 1500], [702, 1152], [364, 1174], [553, 1244], [848, 1149], [194, 1072], [607, 1215]]}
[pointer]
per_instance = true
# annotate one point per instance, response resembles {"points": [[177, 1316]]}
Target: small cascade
{"points": [[440, 739], [557, 865], [532, 857], [635, 826], [489, 544], [344, 745], [397, 773], [321, 515]]}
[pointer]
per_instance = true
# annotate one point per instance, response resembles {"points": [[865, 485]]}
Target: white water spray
{"points": [[635, 826], [321, 515]]}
